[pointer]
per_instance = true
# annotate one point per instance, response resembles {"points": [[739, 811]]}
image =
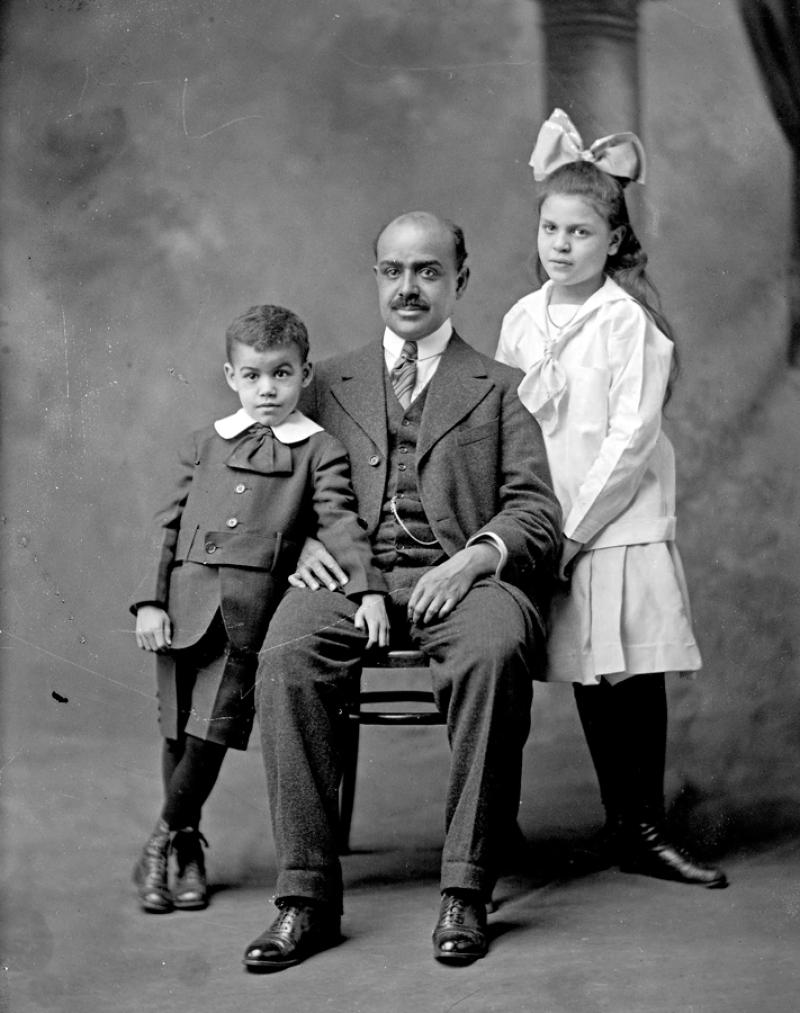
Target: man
{"points": [[451, 477]]}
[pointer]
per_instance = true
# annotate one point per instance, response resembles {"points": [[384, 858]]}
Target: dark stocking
{"points": [[626, 732], [191, 767]]}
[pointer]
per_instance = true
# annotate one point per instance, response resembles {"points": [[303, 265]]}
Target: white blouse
{"points": [[596, 385]]}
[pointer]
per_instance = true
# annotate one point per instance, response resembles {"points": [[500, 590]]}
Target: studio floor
{"points": [[77, 806]]}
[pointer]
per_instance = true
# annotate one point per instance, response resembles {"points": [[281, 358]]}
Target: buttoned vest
{"points": [[409, 541]]}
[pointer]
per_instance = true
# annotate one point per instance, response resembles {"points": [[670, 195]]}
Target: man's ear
{"points": [[230, 375], [461, 282], [308, 372]]}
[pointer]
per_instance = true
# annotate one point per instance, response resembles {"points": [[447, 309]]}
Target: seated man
{"points": [[452, 479]]}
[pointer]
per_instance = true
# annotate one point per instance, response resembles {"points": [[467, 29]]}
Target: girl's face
{"points": [[574, 242]]}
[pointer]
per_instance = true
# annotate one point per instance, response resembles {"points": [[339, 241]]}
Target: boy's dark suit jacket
{"points": [[230, 533], [481, 459]]}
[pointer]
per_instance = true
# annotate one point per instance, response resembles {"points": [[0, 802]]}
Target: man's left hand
{"points": [[439, 590]]}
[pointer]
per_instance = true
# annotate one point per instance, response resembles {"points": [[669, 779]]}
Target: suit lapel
{"points": [[458, 385], [361, 392]]}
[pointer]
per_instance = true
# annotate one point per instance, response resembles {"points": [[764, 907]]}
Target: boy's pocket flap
{"points": [[258, 552]]}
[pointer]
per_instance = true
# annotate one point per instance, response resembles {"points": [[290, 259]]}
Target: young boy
{"points": [[248, 491]]}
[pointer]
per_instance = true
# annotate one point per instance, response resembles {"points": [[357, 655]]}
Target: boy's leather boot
{"points": [[150, 872], [189, 887]]}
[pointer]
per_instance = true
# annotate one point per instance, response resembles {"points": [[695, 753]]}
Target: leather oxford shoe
{"points": [[646, 851], [460, 933], [299, 931]]}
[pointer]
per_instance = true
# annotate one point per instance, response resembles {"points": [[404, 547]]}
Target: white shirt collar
{"points": [[295, 429], [427, 347]]}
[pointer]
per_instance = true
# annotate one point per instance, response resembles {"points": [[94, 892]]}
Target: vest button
{"points": [[231, 522], [240, 487], [404, 450], [374, 460], [210, 547], [401, 467]]}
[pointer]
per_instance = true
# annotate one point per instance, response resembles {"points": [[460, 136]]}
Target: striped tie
{"points": [[404, 373]]}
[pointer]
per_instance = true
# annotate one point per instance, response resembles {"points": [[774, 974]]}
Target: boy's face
{"points": [[268, 383]]}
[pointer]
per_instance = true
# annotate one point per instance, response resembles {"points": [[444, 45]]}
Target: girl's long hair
{"points": [[627, 266]]}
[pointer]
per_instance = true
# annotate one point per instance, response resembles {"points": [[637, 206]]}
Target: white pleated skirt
{"points": [[626, 613]]}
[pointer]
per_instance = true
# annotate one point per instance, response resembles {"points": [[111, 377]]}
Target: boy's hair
{"points": [[605, 193], [265, 327]]}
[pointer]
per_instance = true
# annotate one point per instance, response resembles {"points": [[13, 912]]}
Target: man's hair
{"points": [[265, 327], [459, 245]]}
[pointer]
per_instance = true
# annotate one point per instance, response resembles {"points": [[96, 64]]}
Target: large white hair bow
{"points": [[558, 143]]}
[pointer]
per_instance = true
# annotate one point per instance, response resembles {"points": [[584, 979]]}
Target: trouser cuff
{"points": [[466, 876], [312, 885]]}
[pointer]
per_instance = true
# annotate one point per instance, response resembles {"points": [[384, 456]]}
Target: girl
{"points": [[598, 356]]}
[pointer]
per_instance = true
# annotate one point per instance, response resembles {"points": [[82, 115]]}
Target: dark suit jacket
{"points": [[228, 538], [481, 459]]}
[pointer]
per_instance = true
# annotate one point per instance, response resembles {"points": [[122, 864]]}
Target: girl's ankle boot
{"points": [[150, 872], [190, 888], [645, 848]]}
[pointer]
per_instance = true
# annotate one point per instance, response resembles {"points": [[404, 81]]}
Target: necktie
{"points": [[404, 373]]}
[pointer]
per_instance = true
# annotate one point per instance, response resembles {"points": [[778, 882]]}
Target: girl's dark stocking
{"points": [[626, 732]]}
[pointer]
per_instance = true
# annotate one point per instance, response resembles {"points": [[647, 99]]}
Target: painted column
{"points": [[592, 63]]}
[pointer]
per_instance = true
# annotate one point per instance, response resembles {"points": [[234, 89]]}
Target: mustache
{"points": [[411, 302]]}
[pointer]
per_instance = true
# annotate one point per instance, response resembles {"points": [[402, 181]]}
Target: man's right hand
{"points": [[317, 568]]}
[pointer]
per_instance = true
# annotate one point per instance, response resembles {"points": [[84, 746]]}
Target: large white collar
{"points": [[608, 292], [295, 429]]}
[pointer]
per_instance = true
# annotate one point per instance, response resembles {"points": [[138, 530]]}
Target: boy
{"points": [[249, 490]]}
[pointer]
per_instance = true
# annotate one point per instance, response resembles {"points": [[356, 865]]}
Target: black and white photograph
{"points": [[400, 458]]}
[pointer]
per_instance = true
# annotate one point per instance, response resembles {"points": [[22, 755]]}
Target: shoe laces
{"points": [[285, 919], [288, 917], [454, 910]]}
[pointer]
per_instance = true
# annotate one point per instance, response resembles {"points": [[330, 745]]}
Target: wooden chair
{"points": [[380, 707]]}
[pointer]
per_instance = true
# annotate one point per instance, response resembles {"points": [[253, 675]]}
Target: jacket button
{"points": [[231, 522], [240, 487], [210, 547], [374, 460]]}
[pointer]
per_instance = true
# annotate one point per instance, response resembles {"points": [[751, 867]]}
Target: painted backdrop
{"points": [[167, 163]]}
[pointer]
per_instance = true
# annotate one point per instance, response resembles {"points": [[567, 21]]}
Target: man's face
{"points": [[418, 283]]}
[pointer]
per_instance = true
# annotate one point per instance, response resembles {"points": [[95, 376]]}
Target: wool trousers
{"points": [[482, 658]]}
